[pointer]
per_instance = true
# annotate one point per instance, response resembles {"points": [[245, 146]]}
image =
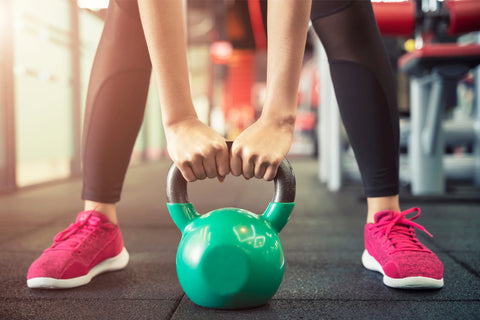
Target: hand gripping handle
{"points": [[284, 185], [277, 213]]}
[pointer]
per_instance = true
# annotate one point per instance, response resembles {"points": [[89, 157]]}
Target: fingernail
{"points": [[220, 178]]}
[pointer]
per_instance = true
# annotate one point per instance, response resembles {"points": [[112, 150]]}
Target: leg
{"points": [[115, 106], [365, 91]]}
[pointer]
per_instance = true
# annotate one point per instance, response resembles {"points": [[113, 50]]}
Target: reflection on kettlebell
{"points": [[231, 258]]}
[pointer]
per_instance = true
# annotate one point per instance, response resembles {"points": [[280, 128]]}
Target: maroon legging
{"points": [[116, 99], [360, 71]]}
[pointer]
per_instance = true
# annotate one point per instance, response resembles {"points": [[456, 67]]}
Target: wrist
{"points": [[176, 112], [281, 113], [170, 123], [284, 121]]}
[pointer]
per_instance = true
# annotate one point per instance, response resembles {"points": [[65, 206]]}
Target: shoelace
{"points": [[77, 233], [400, 231]]}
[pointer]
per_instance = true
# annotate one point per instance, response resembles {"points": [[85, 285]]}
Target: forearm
{"points": [[287, 33], [165, 34]]}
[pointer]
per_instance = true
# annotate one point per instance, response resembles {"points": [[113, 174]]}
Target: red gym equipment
{"points": [[432, 66]]}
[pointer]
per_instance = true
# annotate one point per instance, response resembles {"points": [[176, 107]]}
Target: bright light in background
{"points": [[44, 75], [3, 15], [44, 35], [19, 70], [93, 4]]}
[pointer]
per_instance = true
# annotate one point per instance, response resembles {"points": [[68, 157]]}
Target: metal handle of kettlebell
{"points": [[284, 184], [176, 186]]}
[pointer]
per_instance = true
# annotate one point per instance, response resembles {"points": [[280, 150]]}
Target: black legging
{"points": [[360, 71], [364, 87]]}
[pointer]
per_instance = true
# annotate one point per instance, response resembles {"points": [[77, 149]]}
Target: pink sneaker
{"points": [[88, 247], [392, 248]]}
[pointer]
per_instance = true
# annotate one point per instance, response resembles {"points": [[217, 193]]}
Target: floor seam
{"points": [[175, 307], [461, 263]]}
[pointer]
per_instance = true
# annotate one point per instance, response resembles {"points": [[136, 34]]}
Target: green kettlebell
{"points": [[231, 258]]}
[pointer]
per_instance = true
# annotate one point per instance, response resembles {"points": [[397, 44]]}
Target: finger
{"points": [[271, 172], [236, 165], [210, 166], [260, 168], [222, 162], [187, 172], [198, 169], [248, 167]]}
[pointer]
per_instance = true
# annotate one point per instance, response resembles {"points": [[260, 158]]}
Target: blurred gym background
{"points": [[47, 48]]}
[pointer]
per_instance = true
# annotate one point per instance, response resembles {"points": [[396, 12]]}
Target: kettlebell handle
{"points": [[284, 184]]}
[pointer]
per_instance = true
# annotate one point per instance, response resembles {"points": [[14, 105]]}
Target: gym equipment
{"points": [[396, 18], [463, 15], [230, 258], [403, 19], [433, 68]]}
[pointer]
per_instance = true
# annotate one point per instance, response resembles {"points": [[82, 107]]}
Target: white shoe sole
{"points": [[370, 263], [118, 262]]}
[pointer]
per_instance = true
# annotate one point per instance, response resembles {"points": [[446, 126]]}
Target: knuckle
{"points": [[197, 156], [236, 151], [190, 178], [206, 150], [263, 160], [184, 163], [276, 163], [249, 156], [218, 146]]}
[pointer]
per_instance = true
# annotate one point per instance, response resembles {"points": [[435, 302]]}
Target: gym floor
{"points": [[323, 242]]}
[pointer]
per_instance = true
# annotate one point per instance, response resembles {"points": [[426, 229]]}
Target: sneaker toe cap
{"points": [[415, 265], [48, 266]]}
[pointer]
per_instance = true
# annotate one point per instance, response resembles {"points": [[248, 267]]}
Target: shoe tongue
{"points": [[86, 215], [384, 215]]}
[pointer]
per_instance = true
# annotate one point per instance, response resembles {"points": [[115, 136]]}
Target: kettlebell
{"points": [[230, 258]]}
